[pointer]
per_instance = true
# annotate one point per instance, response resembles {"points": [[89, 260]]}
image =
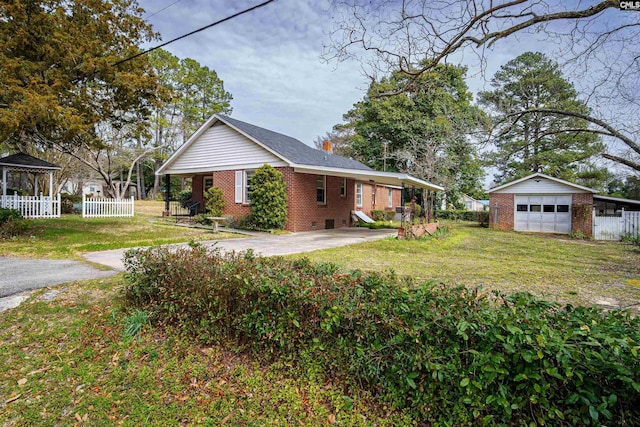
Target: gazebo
{"points": [[36, 206]]}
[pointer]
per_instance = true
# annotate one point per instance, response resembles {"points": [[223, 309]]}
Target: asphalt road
{"points": [[20, 275]]}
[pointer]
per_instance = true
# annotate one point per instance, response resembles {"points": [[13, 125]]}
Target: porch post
{"points": [[167, 194], [35, 186], [4, 181]]}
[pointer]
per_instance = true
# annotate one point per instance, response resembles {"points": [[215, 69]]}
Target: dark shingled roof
{"points": [[293, 149], [22, 159]]}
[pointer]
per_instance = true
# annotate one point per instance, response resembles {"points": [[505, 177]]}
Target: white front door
{"points": [[548, 213]]}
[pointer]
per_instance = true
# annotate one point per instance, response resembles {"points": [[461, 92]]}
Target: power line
{"points": [[162, 10], [235, 15]]}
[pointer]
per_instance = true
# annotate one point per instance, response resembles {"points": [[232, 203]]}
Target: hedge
{"points": [[462, 215], [450, 355], [382, 215]]}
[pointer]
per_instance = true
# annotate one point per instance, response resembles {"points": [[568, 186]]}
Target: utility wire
{"points": [[235, 15], [161, 10]]}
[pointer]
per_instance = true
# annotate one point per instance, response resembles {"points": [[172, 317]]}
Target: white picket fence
{"points": [[33, 206], [102, 207], [615, 227]]}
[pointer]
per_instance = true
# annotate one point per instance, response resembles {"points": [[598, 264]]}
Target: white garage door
{"points": [[550, 214]]}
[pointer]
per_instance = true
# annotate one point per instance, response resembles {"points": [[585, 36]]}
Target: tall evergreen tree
{"points": [[425, 130], [561, 146], [58, 78]]}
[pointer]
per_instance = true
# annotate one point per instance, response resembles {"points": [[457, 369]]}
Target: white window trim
{"points": [[324, 189], [390, 190], [245, 187], [359, 194], [343, 187]]}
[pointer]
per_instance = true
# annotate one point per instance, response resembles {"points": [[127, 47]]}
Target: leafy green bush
{"points": [[184, 197], [11, 223], [630, 238], [214, 201], [451, 355], [9, 215], [378, 225], [417, 209], [268, 196], [382, 215]]}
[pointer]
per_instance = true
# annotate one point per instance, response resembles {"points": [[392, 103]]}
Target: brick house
{"points": [[322, 188], [542, 203]]}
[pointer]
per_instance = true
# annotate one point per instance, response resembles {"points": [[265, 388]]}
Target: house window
{"points": [[343, 187], [468, 206], [522, 208], [562, 208], [321, 190], [92, 189], [247, 185], [390, 197], [207, 183], [359, 194]]}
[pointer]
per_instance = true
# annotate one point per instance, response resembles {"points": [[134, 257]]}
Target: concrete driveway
{"points": [[268, 244], [19, 276]]}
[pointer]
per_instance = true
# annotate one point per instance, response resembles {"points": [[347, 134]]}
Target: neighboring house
{"points": [[90, 187], [472, 204], [542, 203], [322, 188]]}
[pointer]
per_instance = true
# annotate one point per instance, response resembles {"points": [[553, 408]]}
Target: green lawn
{"points": [[66, 361], [554, 266], [71, 235]]}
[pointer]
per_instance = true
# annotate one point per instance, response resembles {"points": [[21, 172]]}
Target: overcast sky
{"points": [[269, 60]]}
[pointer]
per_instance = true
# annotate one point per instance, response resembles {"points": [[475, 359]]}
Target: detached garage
{"points": [[541, 203]]}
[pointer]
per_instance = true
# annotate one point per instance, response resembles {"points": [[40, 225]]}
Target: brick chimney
{"points": [[326, 146]]}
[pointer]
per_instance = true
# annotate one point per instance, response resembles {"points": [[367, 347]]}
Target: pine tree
{"points": [[528, 142]]}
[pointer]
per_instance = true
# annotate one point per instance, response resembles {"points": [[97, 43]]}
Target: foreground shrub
{"points": [[11, 223], [452, 355]]}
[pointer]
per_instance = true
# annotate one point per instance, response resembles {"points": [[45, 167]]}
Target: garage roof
{"points": [[543, 176]]}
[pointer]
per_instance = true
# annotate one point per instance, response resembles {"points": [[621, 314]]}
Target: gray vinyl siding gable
{"points": [[221, 148], [543, 186]]}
